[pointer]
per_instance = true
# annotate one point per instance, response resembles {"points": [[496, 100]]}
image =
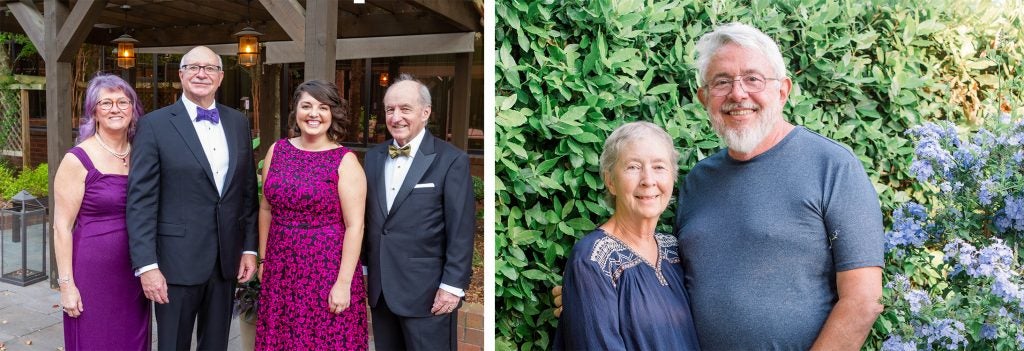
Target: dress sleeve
{"points": [[590, 320]]}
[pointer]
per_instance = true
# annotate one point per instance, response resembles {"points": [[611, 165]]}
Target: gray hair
{"points": [[742, 35], [634, 131], [424, 91]]}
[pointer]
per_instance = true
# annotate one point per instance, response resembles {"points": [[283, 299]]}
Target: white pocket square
{"points": [[424, 185]]}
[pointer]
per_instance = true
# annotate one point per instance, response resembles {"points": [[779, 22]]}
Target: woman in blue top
{"points": [[623, 281]]}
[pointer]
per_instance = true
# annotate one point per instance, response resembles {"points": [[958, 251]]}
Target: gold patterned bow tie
{"points": [[394, 152]]}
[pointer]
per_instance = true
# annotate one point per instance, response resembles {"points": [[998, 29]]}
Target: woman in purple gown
{"points": [[104, 307], [311, 231]]}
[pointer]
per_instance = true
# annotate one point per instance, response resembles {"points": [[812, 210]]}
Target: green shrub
{"points": [[569, 72], [35, 181]]}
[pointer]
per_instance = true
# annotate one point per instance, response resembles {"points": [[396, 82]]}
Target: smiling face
{"points": [[641, 179], [405, 112], [200, 87], [312, 116], [743, 119], [118, 117]]}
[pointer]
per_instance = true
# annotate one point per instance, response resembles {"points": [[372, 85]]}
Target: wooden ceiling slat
{"points": [[177, 22]]}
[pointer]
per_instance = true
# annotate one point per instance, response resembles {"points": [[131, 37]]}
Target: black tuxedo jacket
{"points": [[175, 216], [427, 238]]}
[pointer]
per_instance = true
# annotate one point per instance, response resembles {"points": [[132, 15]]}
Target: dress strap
{"points": [[83, 157]]}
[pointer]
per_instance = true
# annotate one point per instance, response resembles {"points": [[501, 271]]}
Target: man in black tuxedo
{"points": [[419, 224], [192, 208]]}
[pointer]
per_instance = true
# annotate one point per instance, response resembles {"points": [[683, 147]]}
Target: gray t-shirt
{"points": [[761, 241]]}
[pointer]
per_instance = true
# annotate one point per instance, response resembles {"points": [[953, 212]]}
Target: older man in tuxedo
{"points": [[192, 208], [419, 227]]}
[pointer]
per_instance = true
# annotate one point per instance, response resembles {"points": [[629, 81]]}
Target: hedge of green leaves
{"points": [[569, 72]]}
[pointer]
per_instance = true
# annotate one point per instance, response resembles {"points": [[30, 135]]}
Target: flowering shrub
{"points": [[953, 266]]}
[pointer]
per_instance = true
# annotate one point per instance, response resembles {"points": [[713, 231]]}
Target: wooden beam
{"points": [[347, 49], [461, 100], [321, 39], [461, 14], [58, 102], [77, 26], [223, 33], [26, 145], [290, 15], [31, 21]]}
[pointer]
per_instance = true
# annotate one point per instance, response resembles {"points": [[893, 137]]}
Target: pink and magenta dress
{"points": [[303, 255], [116, 312]]}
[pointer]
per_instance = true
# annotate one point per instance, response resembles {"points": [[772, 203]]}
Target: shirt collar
{"points": [[414, 144], [190, 107]]}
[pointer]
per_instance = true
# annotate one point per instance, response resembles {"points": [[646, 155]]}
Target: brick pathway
{"points": [[31, 320]]}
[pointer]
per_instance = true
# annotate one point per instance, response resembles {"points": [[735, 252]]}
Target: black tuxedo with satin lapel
{"points": [[176, 218], [427, 238]]}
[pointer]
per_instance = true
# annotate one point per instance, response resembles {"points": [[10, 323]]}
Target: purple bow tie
{"points": [[208, 115]]}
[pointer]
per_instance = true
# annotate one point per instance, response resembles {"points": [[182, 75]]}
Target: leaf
{"points": [[574, 114], [510, 118], [622, 55], [663, 88], [534, 274]]}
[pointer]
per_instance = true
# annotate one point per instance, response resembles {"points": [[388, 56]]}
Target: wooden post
{"points": [[460, 102], [321, 38], [58, 106], [26, 145], [270, 107]]}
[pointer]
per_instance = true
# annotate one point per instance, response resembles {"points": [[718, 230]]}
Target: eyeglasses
{"points": [[751, 83], [122, 104], [194, 69]]}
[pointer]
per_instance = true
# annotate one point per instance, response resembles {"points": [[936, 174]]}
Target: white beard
{"points": [[745, 140]]}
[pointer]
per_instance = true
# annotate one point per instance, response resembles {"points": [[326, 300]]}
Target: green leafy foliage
{"points": [[35, 181], [568, 72]]}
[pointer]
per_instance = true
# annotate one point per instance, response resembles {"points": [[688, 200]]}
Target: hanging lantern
{"points": [[248, 47], [125, 51], [384, 79]]}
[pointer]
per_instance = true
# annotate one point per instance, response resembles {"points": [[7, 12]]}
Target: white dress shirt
{"points": [[395, 170], [215, 144]]}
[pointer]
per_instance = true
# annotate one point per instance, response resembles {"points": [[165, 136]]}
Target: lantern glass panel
{"points": [[23, 230]]}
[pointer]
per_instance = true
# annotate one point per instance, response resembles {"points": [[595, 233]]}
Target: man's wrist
{"points": [[146, 268], [453, 290]]}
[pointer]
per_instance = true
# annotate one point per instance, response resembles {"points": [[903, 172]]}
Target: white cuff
{"points": [[250, 253], [145, 269], [455, 291]]}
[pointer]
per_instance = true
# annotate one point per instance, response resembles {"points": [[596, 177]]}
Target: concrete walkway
{"points": [[30, 319]]}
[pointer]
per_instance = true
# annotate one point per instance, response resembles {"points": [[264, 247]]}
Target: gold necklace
{"points": [[122, 156]]}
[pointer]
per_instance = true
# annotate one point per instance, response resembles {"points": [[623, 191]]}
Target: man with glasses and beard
{"points": [[780, 234]]}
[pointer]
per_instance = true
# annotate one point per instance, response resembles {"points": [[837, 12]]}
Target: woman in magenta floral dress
{"points": [[311, 231]]}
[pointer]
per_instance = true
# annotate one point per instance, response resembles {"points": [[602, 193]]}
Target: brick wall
{"points": [[470, 330]]}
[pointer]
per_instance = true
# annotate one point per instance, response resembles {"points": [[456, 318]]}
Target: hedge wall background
{"points": [[569, 72]]}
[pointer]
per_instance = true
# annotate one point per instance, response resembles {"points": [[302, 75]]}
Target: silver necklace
{"points": [[123, 156]]}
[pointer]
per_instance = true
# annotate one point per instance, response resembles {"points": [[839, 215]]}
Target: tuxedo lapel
{"points": [[183, 124], [380, 155], [231, 129], [420, 164]]}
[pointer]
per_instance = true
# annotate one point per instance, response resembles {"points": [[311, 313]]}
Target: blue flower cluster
{"points": [[917, 298], [949, 333], [931, 156], [896, 343], [975, 201], [909, 224], [995, 261], [1012, 215]]}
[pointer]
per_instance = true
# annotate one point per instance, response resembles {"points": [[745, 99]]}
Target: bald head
{"points": [[201, 73]]}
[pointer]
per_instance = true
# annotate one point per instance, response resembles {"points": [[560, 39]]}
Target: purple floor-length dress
{"points": [[303, 257], [116, 312]]}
